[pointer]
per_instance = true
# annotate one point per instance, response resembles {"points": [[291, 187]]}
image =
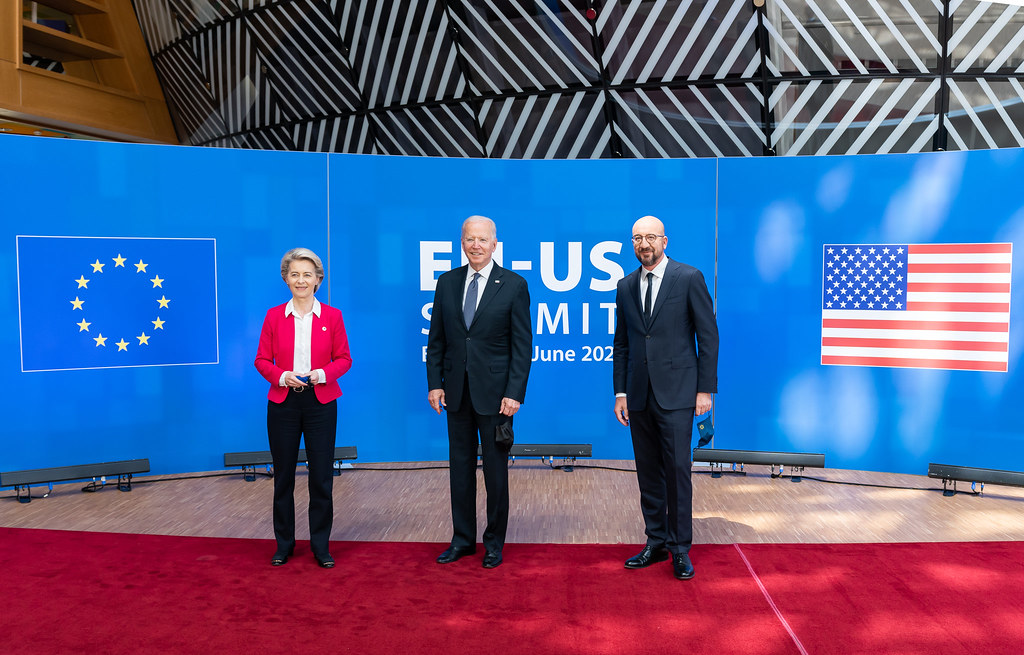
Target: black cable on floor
{"points": [[594, 466]]}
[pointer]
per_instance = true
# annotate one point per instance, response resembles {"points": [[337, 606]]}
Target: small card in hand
{"points": [[503, 435], [706, 430]]}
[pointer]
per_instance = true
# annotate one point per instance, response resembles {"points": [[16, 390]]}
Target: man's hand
{"points": [[621, 411], [508, 406], [436, 399], [703, 405]]}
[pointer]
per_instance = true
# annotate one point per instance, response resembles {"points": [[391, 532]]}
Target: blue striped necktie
{"points": [[469, 308]]}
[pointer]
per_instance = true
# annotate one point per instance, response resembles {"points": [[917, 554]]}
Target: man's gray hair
{"points": [[481, 219]]}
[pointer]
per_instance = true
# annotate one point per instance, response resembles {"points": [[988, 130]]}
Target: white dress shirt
{"points": [[481, 282], [659, 275], [302, 359]]}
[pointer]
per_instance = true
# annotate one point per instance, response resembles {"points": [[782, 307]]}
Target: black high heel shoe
{"points": [[280, 558]]}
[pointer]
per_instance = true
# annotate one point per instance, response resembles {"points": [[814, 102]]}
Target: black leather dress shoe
{"points": [[682, 567], [325, 561], [453, 553], [492, 559], [646, 557]]}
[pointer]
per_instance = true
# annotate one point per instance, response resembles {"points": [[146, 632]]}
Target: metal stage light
{"points": [[717, 457], [568, 452], [250, 460], [949, 473], [123, 470]]}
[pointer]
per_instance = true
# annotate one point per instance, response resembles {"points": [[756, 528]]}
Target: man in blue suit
{"points": [[665, 368], [478, 360]]}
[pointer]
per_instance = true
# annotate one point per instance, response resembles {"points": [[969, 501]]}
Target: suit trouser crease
{"points": [[467, 429], [301, 415], [661, 446]]}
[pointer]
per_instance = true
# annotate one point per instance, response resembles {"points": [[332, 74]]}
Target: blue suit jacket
{"points": [[676, 352]]}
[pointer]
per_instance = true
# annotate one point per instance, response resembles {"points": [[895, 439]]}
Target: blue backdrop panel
{"points": [[775, 217], [253, 205], [387, 227], [564, 226]]}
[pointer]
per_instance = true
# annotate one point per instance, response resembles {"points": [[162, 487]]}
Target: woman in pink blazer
{"points": [[303, 351]]}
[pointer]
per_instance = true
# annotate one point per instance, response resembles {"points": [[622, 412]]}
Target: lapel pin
{"points": [[324, 328], [497, 281]]}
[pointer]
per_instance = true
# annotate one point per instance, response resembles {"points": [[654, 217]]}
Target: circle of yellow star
{"points": [[82, 282], [97, 267], [76, 303], [119, 261], [157, 282], [100, 340], [140, 267], [158, 324], [163, 301], [83, 326], [143, 339], [122, 345]]}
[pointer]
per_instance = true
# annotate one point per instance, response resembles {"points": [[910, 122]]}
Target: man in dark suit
{"points": [[478, 359], [664, 369]]}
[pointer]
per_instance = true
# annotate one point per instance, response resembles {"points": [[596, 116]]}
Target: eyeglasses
{"points": [[649, 238]]}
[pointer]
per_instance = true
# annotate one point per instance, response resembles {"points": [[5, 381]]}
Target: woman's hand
{"points": [[291, 379]]}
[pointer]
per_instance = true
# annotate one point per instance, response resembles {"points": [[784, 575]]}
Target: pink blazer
{"points": [[329, 351]]}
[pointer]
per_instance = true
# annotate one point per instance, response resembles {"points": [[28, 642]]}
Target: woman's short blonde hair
{"points": [[308, 255]]}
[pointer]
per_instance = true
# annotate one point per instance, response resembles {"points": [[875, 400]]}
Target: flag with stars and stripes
{"points": [[938, 305], [104, 302]]}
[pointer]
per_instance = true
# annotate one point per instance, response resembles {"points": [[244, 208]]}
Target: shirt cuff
{"points": [[321, 377], [620, 395], [280, 382]]}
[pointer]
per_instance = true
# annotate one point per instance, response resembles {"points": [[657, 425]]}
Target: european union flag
{"points": [[98, 302]]}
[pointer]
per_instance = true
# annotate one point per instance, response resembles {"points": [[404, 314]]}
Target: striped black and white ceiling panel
{"points": [[517, 46], [401, 51], [304, 58], [188, 94], [277, 137], [590, 78], [987, 37], [837, 37], [711, 121], [349, 134], [438, 131], [852, 117], [197, 14], [986, 114], [557, 126], [160, 25], [658, 42]]}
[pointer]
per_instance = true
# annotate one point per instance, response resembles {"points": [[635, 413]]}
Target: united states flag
{"points": [[939, 305]]}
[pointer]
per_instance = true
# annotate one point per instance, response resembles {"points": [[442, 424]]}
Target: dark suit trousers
{"points": [[466, 429], [301, 414], [661, 445]]}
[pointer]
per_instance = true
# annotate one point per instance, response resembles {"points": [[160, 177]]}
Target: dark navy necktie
{"points": [[647, 296], [469, 307]]}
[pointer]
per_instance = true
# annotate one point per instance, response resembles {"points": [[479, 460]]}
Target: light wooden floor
{"points": [[588, 505]]}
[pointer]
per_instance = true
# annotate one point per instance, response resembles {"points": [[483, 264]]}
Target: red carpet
{"points": [[69, 592]]}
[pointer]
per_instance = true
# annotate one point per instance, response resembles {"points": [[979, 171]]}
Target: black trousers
{"points": [[661, 445], [466, 429], [302, 415]]}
